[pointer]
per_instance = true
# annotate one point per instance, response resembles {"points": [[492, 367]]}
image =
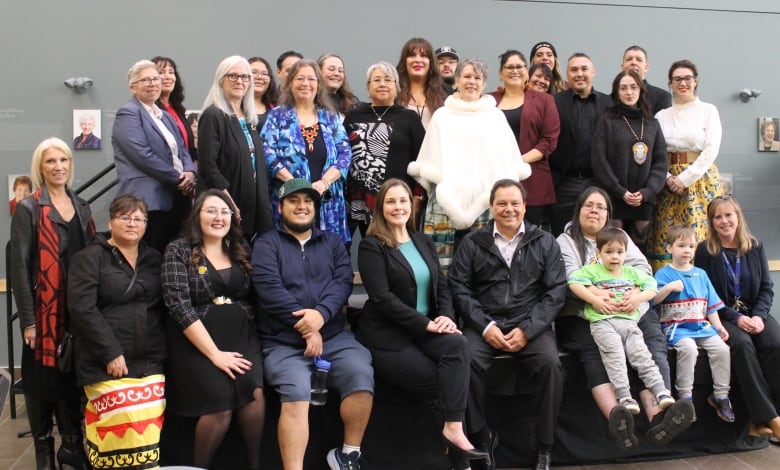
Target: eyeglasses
{"points": [[687, 79], [379, 81], [213, 212], [126, 219], [234, 77], [589, 206], [147, 81], [514, 68], [258, 74], [300, 79]]}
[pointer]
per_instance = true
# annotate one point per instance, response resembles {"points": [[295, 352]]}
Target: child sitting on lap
{"points": [[615, 331]]}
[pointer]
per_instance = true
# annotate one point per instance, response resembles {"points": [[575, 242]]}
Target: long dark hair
{"points": [[346, 98], [574, 230], [642, 104], [271, 95], [434, 86], [177, 94], [378, 227], [233, 243]]}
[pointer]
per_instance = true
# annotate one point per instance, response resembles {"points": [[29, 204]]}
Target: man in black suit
{"points": [[579, 108], [635, 58]]}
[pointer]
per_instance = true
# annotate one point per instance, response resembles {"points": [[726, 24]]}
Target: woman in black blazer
{"points": [[737, 266], [230, 150], [407, 322]]}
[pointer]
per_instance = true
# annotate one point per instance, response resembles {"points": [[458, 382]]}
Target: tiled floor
{"points": [[18, 454]]}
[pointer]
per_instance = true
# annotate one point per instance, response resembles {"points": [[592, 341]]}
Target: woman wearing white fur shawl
{"points": [[468, 146]]}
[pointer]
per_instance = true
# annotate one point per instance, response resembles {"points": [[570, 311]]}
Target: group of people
{"points": [[226, 264]]}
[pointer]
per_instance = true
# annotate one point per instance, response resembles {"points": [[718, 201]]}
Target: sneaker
{"points": [[621, 427], [630, 404], [665, 400], [722, 407], [675, 420], [340, 461]]}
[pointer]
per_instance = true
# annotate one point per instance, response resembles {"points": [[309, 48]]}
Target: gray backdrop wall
{"points": [[44, 43]]}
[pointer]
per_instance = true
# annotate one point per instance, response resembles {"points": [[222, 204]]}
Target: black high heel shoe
{"points": [[458, 454]]}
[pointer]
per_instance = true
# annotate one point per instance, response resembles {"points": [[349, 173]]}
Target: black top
{"points": [[316, 154], [513, 117]]}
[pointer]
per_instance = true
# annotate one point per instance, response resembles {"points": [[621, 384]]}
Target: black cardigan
{"points": [[759, 294]]}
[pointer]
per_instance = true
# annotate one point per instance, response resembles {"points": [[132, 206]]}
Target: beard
{"points": [[297, 228]]}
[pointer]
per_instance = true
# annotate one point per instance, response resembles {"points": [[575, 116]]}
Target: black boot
{"points": [[71, 455], [44, 453]]}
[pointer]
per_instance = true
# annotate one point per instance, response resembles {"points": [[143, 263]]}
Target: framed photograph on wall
{"points": [[86, 129], [19, 187], [768, 134]]}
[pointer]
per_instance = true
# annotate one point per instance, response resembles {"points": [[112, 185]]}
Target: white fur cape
{"points": [[468, 146]]}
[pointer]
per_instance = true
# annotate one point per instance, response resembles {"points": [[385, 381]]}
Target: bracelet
{"points": [[327, 184]]}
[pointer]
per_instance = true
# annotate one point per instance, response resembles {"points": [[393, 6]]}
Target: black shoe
{"points": [[71, 455], [621, 427], [542, 461], [44, 453], [676, 419], [468, 454]]}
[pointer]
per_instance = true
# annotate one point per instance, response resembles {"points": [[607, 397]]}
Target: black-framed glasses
{"points": [[514, 68], [234, 77], [148, 80], [687, 79]]}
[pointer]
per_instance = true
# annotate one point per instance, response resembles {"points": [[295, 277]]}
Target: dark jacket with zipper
{"points": [[527, 294], [108, 319]]}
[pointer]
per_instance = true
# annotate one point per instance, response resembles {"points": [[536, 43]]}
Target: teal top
{"points": [[422, 276], [242, 122]]}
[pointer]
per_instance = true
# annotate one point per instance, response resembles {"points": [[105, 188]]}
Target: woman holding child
{"points": [[593, 213], [737, 266]]}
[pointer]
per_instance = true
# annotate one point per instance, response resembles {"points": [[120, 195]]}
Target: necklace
{"points": [[639, 148], [310, 133], [378, 116]]}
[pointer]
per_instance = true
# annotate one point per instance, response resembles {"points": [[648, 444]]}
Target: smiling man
{"points": [[303, 277], [579, 108], [508, 284]]}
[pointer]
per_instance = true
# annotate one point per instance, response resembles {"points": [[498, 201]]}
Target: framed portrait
{"points": [[86, 129], [768, 134], [19, 187]]}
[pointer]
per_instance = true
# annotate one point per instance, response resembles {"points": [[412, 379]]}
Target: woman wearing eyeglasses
{"points": [[117, 311], [151, 158], [230, 149], [215, 370], [736, 263], [533, 118], [303, 138], [692, 130], [332, 68], [265, 90], [385, 137], [592, 213]]}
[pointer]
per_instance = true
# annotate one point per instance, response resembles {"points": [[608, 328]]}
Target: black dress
{"points": [[194, 386]]}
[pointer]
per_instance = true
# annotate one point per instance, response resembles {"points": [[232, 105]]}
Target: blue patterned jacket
{"points": [[285, 147]]}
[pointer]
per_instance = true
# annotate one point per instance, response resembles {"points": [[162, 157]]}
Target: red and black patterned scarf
{"points": [[50, 304]]}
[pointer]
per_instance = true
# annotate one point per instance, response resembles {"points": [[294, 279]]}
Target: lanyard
{"points": [[734, 272]]}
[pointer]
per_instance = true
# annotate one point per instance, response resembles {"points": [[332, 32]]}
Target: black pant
{"points": [[539, 359], [567, 191], [755, 363], [40, 413], [434, 368], [165, 226]]}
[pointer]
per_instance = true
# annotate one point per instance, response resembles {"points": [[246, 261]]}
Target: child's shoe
{"points": [[722, 407]]}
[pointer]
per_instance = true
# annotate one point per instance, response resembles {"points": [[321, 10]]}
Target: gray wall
{"points": [[46, 42]]}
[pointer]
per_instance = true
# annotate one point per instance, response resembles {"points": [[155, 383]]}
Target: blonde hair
{"points": [[35, 167], [745, 240]]}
